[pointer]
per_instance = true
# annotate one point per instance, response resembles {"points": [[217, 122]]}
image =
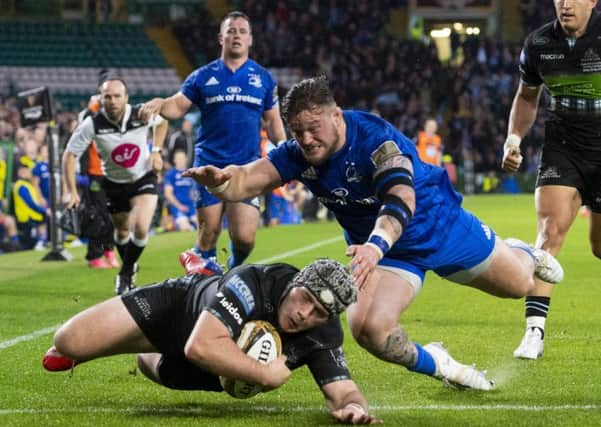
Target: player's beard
{"points": [[329, 151], [115, 115]]}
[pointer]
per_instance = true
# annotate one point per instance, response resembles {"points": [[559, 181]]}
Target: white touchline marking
{"points": [[285, 409], [300, 250], [45, 331], [28, 337]]}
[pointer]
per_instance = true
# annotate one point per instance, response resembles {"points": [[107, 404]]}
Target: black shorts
{"points": [[159, 310], [118, 194], [572, 169]]}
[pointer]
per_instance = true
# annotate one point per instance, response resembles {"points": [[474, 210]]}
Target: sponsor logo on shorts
{"points": [[126, 155], [550, 172], [242, 292], [144, 306], [231, 309]]}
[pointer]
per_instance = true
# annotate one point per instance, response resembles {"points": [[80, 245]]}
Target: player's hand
{"points": [[512, 158], [277, 373], [209, 176], [156, 162], [150, 109], [71, 200], [355, 414], [363, 264]]}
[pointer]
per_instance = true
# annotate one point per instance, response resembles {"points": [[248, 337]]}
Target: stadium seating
{"points": [[66, 56]]}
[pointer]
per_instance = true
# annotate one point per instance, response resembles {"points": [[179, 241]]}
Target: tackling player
{"points": [[401, 218], [187, 329]]}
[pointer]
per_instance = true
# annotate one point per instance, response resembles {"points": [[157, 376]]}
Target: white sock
{"points": [[535, 322]]}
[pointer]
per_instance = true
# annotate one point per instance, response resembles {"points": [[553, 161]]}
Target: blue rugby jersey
{"points": [[344, 184], [183, 187], [231, 106]]}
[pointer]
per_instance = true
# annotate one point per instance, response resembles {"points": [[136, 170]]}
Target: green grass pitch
{"points": [[563, 388]]}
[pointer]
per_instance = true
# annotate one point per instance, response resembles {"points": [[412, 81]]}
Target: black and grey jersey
{"points": [[570, 70], [253, 292], [123, 147]]}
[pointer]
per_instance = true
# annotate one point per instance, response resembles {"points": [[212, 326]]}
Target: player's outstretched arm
{"points": [[171, 108], [236, 183], [211, 347], [347, 404]]}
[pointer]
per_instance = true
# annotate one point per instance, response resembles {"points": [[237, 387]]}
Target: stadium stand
{"points": [[66, 56]]}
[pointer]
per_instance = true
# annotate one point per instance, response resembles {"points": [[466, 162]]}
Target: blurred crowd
{"points": [[402, 80]]}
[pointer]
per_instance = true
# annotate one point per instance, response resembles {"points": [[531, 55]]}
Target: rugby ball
{"points": [[260, 341]]}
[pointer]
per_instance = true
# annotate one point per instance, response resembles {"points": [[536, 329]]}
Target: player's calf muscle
{"points": [[396, 347]]}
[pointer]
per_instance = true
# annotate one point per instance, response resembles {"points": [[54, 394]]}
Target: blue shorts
{"points": [[464, 253], [207, 199]]}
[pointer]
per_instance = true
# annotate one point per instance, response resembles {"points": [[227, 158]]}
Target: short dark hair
{"points": [[118, 78], [307, 95], [235, 15]]}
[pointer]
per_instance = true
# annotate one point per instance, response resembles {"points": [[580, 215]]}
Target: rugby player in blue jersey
{"points": [[233, 94], [401, 217], [179, 193]]}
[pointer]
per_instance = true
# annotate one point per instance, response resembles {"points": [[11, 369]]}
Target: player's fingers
{"points": [[192, 172]]}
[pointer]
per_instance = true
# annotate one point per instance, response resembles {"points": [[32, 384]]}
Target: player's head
{"points": [[235, 36], [180, 159], [573, 15], [430, 126], [114, 97], [320, 291], [24, 170], [314, 119]]}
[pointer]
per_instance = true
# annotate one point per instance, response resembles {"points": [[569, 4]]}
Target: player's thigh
{"points": [[243, 220], [595, 233], [556, 207], [508, 273], [380, 303], [102, 330]]}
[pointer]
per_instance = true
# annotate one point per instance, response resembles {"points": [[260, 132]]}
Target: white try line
{"points": [[284, 409], [14, 341]]}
